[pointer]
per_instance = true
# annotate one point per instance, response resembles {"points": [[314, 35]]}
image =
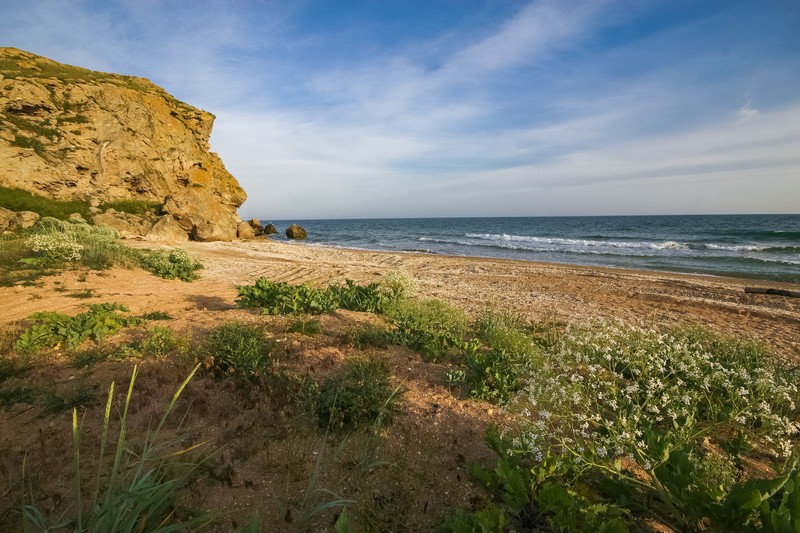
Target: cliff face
{"points": [[72, 133]]}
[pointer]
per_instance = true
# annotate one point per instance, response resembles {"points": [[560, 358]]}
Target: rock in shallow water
{"points": [[296, 232]]}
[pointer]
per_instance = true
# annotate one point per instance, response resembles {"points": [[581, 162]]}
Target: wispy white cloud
{"points": [[533, 114], [538, 29]]}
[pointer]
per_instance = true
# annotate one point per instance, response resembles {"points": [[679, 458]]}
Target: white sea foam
{"points": [[576, 244]]}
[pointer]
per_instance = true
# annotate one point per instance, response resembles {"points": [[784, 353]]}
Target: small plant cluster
{"points": [[497, 360], [159, 342], [240, 349], [173, 264], [430, 327], [359, 396], [368, 335], [51, 329], [53, 247], [281, 298], [305, 325], [656, 423], [80, 394], [533, 497]]}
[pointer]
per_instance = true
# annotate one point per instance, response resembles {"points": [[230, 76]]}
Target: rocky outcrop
{"points": [[258, 229], [13, 221], [70, 133], [296, 232], [166, 229], [246, 231], [126, 224]]}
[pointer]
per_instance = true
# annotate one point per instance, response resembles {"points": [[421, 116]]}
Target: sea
{"points": [[748, 246]]}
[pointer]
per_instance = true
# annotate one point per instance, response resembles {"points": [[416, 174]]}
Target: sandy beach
{"points": [[536, 291]]}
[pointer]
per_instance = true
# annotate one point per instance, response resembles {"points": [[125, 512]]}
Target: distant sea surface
{"points": [[749, 246]]}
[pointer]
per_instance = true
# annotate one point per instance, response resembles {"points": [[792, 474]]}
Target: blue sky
{"points": [[340, 109]]}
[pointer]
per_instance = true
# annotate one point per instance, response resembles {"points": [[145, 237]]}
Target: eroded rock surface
{"points": [[72, 133]]}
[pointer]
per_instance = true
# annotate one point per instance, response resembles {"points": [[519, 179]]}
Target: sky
{"points": [[407, 108]]}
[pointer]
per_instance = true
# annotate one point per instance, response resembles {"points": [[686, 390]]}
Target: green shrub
{"points": [[360, 396], [398, 284], [11, 366], [431, 327], [10, 396], [51, 329], [156, 315], [280, 298], [534, 497], [495, 363], [56, 247], [240, 349], [367, 298], [174, 264], [13, 252], [90, 356], [80, 395]]}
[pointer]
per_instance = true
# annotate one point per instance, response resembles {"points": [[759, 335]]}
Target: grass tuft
{"points": [[362, 395], [138, 492]]}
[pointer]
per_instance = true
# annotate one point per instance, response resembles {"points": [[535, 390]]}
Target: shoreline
{"points": [[536, 291], [776, 283], [753, 247]]}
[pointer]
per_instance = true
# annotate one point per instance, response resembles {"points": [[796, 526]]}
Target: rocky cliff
{"points": [[72, 133]]}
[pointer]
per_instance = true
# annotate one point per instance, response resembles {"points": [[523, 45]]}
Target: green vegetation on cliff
{"points": [[19, 200]]}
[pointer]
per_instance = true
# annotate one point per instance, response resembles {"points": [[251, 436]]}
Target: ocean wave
{"points": [[752, 248], [420, 251], [584, 243]]}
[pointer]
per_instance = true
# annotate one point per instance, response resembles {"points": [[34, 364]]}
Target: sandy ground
{"points": [[537, 291], [259, 462]]}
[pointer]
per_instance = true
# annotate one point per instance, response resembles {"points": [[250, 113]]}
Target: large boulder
{"points": [[126, 224], [104, 137], [270, 229], [296, 232], [245, 231], [7, 219], [258, 229], [16, 220], [166, 229], [210, 231]]}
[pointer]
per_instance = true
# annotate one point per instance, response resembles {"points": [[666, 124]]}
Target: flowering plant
{"points": [[666, 413]]}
